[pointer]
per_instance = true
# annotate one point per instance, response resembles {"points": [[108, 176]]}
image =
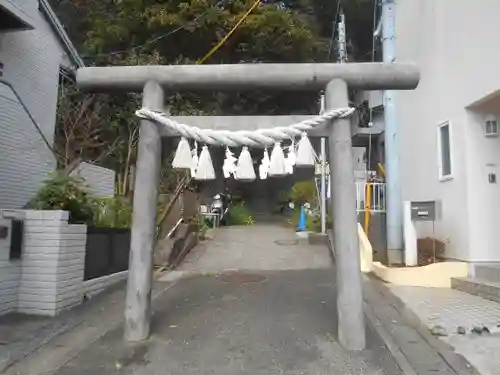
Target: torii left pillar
{"points": [[138, 303]]}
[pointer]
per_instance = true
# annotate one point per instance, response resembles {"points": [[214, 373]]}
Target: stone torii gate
{"points": [[334, 79]]}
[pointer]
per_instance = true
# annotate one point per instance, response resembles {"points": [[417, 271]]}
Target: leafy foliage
{"points": [[144, 32], [68, 193], [239, 214], [113, 212], [304, 192], [111, 32], [202, 225]]}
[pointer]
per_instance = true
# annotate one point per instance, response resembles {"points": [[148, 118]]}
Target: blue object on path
{"points": [[302, 220]]}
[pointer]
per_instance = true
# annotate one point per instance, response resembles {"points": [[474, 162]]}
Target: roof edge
{"points": [[56, 24]]}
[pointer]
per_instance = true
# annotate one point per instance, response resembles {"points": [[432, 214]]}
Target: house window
{"points": [[444, 151], [491, 126]]}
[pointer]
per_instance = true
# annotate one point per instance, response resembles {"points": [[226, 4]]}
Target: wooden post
{"points": [[138, 303]]}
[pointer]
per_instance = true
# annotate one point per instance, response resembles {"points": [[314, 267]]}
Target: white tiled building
{"points": [[34, 49]]}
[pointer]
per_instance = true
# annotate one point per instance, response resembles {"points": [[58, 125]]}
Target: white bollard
{"points": [[410, 236]]}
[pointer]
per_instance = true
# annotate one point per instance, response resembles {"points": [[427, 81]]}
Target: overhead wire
{"points": [[30, 116], [228, 35]]}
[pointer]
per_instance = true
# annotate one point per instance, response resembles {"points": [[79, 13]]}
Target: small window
{"points": [[492, 178], [491, 126], [444, 151]]}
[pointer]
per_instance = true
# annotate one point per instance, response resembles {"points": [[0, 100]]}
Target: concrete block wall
{"points": [[100, 180], [52, 264], [10, 276], [49, 277], [96, 286]]}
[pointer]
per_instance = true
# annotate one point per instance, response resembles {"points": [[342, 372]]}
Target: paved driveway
{"points": [[277, 317], [256, 247]]}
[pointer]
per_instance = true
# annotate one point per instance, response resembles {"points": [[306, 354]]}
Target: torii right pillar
{"points": [[351, 326]]}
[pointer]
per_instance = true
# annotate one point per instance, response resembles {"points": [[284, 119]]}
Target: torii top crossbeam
{"points": [[366, 76]]}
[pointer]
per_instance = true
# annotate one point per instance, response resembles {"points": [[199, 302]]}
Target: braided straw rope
{"points": [[252, 138]]}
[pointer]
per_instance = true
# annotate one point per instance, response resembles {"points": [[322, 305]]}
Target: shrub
{"points": [[239, 214], [304, 192], [114, 212], [201, 224], [67, 193]]}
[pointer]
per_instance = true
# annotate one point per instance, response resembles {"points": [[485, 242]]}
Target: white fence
{"points": [[370, 195]]}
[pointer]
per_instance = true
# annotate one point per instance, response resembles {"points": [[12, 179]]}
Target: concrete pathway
{"points": [[274, 322], [450, 309], [276, 317], [254, 300], [256, 247]]}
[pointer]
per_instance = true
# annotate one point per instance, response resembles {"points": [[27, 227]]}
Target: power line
{"points": [[155, 39], [223, 40]]}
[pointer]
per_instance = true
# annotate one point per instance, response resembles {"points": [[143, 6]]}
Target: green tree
{"points": [[128, 31]]}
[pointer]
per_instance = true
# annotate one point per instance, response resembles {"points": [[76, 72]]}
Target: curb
{"points": [[396, 353], [454, 360]]}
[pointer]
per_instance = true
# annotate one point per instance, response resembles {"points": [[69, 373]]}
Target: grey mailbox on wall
{"points": [[423, 211]]}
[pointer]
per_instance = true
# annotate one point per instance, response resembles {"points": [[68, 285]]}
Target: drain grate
{"points": [[241, 278], [286, 242]]}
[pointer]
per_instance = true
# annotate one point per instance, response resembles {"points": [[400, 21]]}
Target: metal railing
{"points": [[370, 196]]}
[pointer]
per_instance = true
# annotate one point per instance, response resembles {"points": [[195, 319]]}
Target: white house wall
{"points": [[420, 39], [479, 76], [455, 45], [31, 61], [484, 197]]}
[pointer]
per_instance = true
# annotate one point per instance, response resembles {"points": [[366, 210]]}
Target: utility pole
{"points": [[342, 39], [323, 172], [393, 175], [342, 59]]}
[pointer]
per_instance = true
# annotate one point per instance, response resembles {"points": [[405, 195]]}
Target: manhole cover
{"points": [[286, 242], [242, 278]]}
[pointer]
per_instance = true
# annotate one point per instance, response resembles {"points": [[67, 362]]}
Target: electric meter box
{"points": [[423, 211], [11, 234]]}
